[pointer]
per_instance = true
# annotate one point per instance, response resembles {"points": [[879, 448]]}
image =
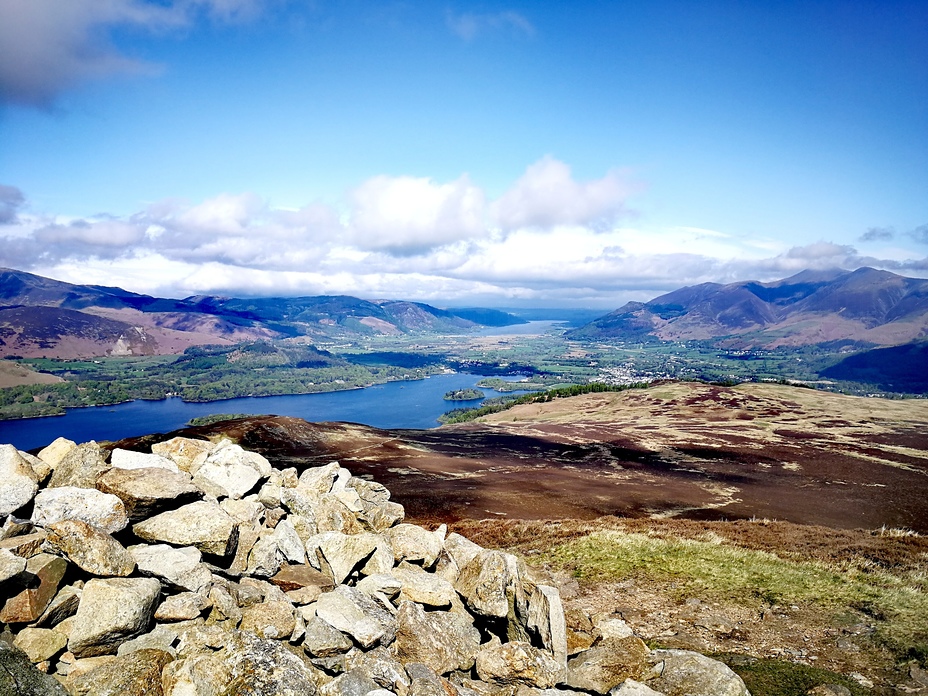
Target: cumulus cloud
{"points": [[49, 46], [11, 199], [469, 25], [547, 195], [408, 215], [549, 239]]}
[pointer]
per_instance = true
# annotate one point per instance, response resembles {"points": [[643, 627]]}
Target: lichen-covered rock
{"points": [[102, 510], [686, 673], [608, 664], [202, 524], [79, 467], [444, 641], [322, 640], [482, 584], [112, 611], [245, 666], [179, 568], [91, 549], [18, 675], [40, 644], [133, 674], [356, 614], [340, 554], [146, 492], [272, 619], [630, 687], [417, 585], [546, 621], [20, 481], [11, 565], [187, 453], [184, 606], [518, 662], [416, 544]]}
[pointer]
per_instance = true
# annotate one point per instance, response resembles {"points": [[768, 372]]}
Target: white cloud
{"points": [[49, 46], [547, 195], [417, 239], [407, 215]]}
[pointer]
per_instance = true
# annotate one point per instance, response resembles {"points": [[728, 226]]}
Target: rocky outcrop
{"points": [[237, 578]]}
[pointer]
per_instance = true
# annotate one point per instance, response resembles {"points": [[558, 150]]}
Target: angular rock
{"points": [[18, 675], [43, 574], [246, 666], [518, 663], [382, 668], [445, 641], [63, 605], [415, 544], [225, 480], [102, 510], [318, 480], [322, 640], [202, 524], [20, 481], [685, 673], [127, 459], [146, 492], [546, 621], [630, 687], [79, 467], [11, 565], [422, 587], [179, 568], [289, 542], [54, 453], [293, 577], [612, 627], [227, 452], [352, 683], [608, 664], [40, 644], [134, 674], [269, 620], [482, 584], [341, 554], [91, 549], [40, 467], [182, 607], [265, 558], [187, 453], [245, 512], [356, 614], [25, 546], [111, 612], [380, 583]]}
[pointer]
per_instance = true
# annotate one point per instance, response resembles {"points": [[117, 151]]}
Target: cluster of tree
{"points": [[502, 403]]}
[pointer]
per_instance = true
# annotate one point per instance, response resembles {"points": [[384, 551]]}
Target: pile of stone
{"points": [[200, 570]]}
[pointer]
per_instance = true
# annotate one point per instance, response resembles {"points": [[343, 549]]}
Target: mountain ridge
{"points": [[865, 305], [43, 317]]}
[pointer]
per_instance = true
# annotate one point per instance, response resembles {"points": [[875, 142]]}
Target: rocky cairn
{"points": [[200, 570]]}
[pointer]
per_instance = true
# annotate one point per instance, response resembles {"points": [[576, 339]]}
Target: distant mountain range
{"points": [[862, 307], [41, 317]]}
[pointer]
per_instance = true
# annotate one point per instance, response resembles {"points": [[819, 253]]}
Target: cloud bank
{"points": [[550, 239]]}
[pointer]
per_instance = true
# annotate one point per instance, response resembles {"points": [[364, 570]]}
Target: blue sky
{"points": [[545, 153]]}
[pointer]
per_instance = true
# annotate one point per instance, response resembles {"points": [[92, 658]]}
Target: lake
{"points": [[413, 404]]}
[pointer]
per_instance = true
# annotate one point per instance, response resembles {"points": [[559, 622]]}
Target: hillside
{"points": [[41, 317], [865, 306], [681, 450]]}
